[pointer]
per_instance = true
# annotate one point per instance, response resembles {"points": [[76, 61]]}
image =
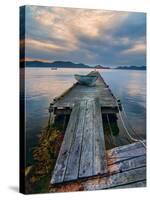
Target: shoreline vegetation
{"points": [[68, 64], [38, 175]]}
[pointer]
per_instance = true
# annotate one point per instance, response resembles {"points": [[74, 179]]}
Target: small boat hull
{"points": [[53, 68], [86, 80]]}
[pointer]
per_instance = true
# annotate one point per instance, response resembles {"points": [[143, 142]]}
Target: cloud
{"points": [[88, 36], [138, 48], [45, 46]]}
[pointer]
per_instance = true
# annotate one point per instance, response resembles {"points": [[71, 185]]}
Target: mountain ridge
{"points": [[131, 67], [69, 64], [60, 64]]}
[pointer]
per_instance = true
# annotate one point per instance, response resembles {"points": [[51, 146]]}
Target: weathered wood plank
{"points": [[125, 155], [132, 185], [100, 161], [74, 156], [125, 165], [124, 148], [118, 179], [121, 157], [86, 161], [82, 155], [61, 163]]}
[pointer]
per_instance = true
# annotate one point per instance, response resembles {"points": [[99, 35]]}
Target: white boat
{"points": [[86, 79]]}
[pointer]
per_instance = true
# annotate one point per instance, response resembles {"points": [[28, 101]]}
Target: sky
{"points": [[108, 38]]}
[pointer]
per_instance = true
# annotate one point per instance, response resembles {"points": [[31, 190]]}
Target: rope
{"points": [[123, 110], [132, 138]]}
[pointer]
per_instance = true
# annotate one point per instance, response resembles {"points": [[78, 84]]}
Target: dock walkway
{"points": [[82, 92], [83, 154]]}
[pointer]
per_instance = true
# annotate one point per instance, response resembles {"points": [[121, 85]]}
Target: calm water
{"points": [[43, 84]]}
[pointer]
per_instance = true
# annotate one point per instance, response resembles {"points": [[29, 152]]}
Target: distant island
{"points": [[131, 67], [101, 67], [58, 64], [68, 64], [61, 64]]}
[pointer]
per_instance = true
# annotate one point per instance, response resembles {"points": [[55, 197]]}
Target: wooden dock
{"points": [[81, 92], [126, 169], [83, 154]]}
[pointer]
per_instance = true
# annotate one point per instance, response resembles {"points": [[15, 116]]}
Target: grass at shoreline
{"points": [[44, 155]]}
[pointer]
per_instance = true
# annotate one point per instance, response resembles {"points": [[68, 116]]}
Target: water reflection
{"points": [[130, 87]]}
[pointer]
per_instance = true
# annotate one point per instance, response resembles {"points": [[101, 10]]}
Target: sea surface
{"points": [[43, 84]]}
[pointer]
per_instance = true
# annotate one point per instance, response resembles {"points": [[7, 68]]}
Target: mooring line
{"points": [[130, 136], [124, 112]]}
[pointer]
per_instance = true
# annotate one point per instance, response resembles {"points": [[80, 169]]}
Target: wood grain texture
{"points": [[61, 163], [126, 165], [124, 148], [132, 185], [75, 152], [82, 153], [100, 161], [86, 161], [127, 152], [119, 179]]}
